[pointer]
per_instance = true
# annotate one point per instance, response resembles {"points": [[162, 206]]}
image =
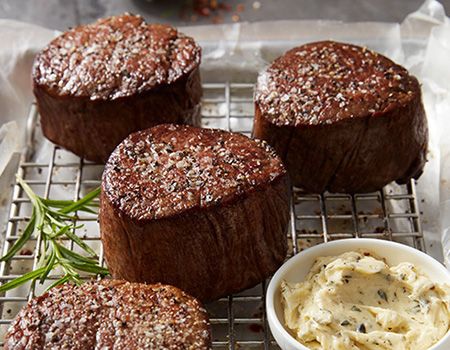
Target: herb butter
{"points": [[356, 301]]}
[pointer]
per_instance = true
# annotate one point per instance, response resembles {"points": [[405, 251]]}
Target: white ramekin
{"points": [[296, 269]]}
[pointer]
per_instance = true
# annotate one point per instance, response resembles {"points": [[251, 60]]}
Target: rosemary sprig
{"points": [[53, 220]]}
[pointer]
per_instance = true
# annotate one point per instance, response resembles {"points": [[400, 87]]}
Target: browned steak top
{"points": [[324, 82], [168, 169], [111, 314], [115, 57]]}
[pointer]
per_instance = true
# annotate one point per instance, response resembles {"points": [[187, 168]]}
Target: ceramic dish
{"points": [[296, 269]]}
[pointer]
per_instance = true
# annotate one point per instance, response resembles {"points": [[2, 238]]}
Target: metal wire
{"points": [[238, 321]]}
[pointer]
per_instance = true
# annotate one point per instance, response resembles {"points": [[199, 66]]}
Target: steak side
{"points": [[202, 209], [97, 83], [343, 118]]}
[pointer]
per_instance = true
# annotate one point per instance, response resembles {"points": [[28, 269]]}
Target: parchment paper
{"points": [[237, 52]]}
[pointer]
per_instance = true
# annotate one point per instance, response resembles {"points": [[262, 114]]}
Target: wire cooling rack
{"points": [[238, 321]]}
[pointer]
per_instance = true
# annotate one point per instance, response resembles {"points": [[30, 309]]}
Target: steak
{"points": [[342, 117], [97, 83], [111, 314], [205, 210]]}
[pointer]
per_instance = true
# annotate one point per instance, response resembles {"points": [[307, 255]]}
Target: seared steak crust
{"points": [[111, 314], [205, 210], [97, 83], [342, 117]]}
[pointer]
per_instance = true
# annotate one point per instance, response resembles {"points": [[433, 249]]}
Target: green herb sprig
{"points": [[52, 220]]}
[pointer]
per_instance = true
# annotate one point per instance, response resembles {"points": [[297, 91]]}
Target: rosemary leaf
{"points": [[80, 243], [62, 280], [54, 221], [28, 191], [53, 235], [64, 203], [95, 269], [60, 216], [72, 256], [32, 275], [40, 217], [81, 202], [50, 264], [22, 240]]}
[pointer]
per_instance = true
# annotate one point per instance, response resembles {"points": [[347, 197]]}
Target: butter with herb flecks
{"points": [[356, 301]]}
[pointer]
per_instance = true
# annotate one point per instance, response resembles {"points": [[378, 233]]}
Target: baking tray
{"points": [[238, 321]]}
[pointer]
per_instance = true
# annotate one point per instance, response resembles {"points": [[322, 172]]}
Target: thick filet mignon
{"points": [[111, 314], [202, 209], [97, 83], [343, 118]]}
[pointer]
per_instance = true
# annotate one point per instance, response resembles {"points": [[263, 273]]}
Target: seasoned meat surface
{"points": [[202, 209], [168, 169], [111, 314], [97, 83], [342, 117], [115, 57]]}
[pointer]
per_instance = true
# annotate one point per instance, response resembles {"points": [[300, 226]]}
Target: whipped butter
{"points": [[356, 301]]}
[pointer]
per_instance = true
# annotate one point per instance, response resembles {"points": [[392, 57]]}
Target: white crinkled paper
{"points": [[237, 52]]}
